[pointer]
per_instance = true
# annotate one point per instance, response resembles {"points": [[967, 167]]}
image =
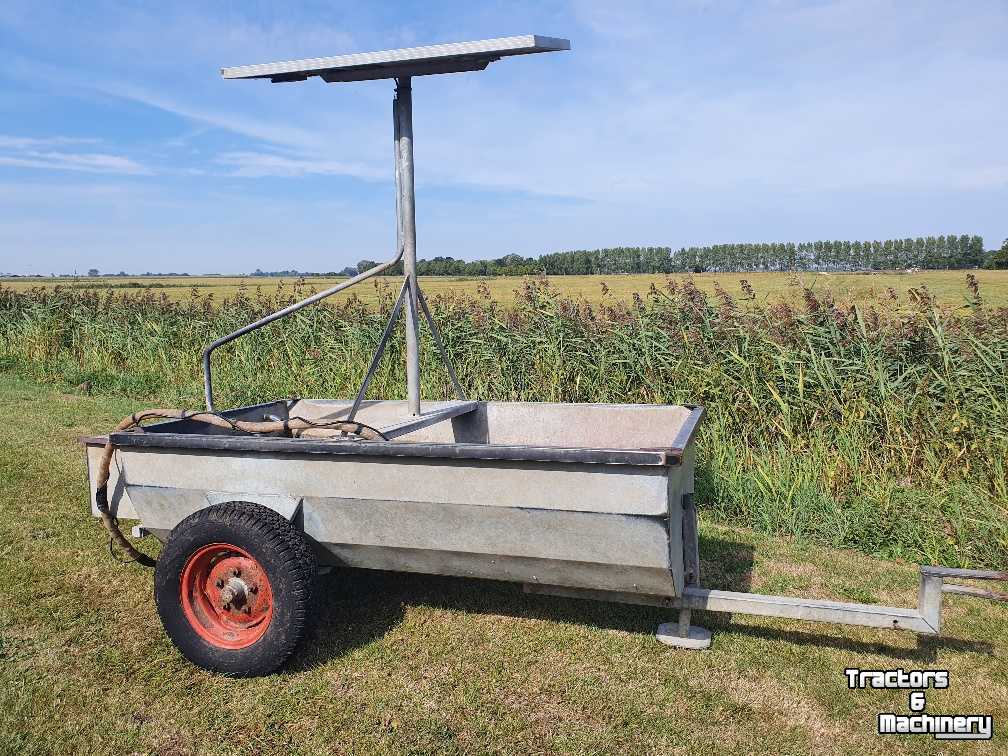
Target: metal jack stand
{"points": [[681, 633]]}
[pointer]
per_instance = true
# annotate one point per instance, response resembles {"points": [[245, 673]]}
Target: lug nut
{"points": [[236, 572], [226, 607], [253, 588], [219, 583], [247, 610]]}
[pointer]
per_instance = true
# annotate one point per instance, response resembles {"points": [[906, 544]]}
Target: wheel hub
{"points": [[235, 592], [226, 596]]}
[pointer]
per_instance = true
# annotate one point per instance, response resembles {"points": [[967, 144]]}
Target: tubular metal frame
{"points": [[208, 351], [410, 294], [400, 65]]}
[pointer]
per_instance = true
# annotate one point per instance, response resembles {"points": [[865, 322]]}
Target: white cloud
{"points": [[25, 152], [260, 164], [255, 127], [24, 143], [816, 114]]}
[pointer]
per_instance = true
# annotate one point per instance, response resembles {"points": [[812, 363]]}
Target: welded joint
{"points": [[929, 602], [933, 585]]}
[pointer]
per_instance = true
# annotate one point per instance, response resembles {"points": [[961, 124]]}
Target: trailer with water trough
{"points": [[590, 501]]}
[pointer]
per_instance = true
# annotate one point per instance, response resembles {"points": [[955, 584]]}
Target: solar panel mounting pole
{"points": [[406, 195], [401, 65]]}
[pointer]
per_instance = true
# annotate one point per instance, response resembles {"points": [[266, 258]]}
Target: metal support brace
{"points": [[440, 345], [208, 352], [379, 351]]}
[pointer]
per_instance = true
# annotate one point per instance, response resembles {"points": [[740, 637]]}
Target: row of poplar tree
{"points": [[927, 252]]}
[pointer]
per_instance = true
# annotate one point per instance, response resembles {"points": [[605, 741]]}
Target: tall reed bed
{"points": [[883, 428]]}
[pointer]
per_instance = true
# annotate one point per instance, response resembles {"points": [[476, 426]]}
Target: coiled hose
{"points": [[297, 427]]}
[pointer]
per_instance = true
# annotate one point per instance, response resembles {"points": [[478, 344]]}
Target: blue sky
{"points": [[669, 123]]}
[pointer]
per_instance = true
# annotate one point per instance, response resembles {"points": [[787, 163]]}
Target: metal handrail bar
{"points": [[207, 382]]}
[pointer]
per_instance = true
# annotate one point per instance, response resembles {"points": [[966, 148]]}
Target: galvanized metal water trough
{"points": [[585, 500], [574, 495], [580, 500]]}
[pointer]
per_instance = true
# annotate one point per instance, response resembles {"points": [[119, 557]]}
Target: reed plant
{"points": [[881, 427]]}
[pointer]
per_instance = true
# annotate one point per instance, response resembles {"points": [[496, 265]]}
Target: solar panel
{"points": [[410, 61]]}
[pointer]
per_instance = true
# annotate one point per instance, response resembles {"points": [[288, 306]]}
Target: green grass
{"points": [[416, 664]]}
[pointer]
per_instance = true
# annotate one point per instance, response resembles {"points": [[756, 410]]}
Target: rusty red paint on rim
{"points": [[226, 596]]}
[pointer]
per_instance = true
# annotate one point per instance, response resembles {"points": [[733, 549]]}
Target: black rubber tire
{"points": [[289, 563]]}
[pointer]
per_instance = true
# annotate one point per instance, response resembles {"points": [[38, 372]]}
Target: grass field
{"points": [[413, 664], [947, 286]]}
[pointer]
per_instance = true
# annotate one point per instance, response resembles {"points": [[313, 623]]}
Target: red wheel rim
{"points": [[226, 596]]}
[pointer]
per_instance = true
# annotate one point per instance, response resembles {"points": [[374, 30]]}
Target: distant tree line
{"points": [[925, 252], [95, 273], [931, 252]]}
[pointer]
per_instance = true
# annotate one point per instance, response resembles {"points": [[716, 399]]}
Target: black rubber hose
{"points": [[112, 526]]}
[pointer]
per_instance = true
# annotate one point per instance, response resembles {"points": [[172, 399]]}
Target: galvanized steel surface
{"points": [[516, 431], [407, 227], [920, 620], [565, 521], [406, 61]]}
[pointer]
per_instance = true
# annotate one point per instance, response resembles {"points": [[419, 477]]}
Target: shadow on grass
{"points": [[358, 606], [926, 650]]}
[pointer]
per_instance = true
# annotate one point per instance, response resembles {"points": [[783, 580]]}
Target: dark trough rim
{"points": [[273, 445]]}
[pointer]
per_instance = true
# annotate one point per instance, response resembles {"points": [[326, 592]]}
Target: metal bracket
{"points": [[440, 345], [404, 293], [933, 585], [379, 351]]}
